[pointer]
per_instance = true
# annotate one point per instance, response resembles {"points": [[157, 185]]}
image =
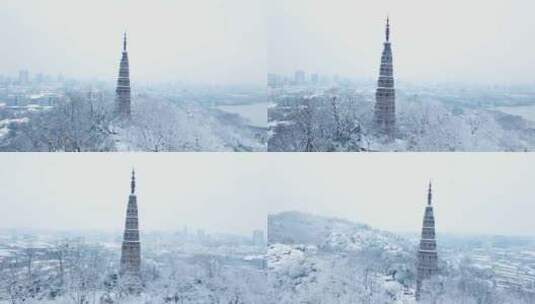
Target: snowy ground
{"points": [[255, 114], [158, 124], [47, 268], [341, 119], [334, 257], [315, 259], [310, 259]]}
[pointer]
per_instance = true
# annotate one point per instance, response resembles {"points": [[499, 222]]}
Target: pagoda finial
{"points": [[133, 182], [429, 194], [387, 28], [124, 42]]}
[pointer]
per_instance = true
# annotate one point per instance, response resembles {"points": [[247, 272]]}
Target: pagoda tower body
{"points": [[130, 268], [122, 98], [427, 254], [385, 95]]}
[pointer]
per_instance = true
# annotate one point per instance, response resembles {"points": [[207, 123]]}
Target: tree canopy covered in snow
{"points": [[75, 272], [338, 119], [314, 259], [83, 123]]}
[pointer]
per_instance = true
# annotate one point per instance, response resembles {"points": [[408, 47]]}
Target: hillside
{"points": [[330, 260]]}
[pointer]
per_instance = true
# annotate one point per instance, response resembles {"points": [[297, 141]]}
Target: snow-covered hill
{"points": [[317, 259], [341, 119], [330, 234], [157, 124]]}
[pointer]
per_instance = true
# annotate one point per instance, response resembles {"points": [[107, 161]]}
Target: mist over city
{"points": [[395, 76], [234, 194], [266, 222], [475, 43], [178, 41], [113, 98]]}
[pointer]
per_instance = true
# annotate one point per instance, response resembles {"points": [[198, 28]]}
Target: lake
{"points": [[255, 113]]}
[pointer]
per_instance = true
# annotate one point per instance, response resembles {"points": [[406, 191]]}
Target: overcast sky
{"points": [[473, 192], [218, 41], [476, 41], [204, 41]]}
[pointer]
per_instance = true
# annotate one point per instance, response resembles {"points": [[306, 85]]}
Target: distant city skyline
{"points": [[206, 42], [487, 42], [242, 41], [234, 193]]}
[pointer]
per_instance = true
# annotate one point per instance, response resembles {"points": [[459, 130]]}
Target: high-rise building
{"points": [[24, 77], [274, 80], [122, 98], [39, 78], [130, 268], [299, 77], [385, 96], [427, 264]]}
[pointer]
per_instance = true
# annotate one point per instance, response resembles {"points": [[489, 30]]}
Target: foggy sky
{"points": [[219, 42], [476, 41], [473, 192], [205, 41]]}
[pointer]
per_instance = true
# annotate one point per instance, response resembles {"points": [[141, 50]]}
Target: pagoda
{"points": [[427, 264], [130, 268], [122, 98], [385, 95]]}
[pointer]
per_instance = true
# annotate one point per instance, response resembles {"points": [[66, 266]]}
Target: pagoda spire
{"points": [[429, 194], [124, 42], [133, 182], [388, 29]]}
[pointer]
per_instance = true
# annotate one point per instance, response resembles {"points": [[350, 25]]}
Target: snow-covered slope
{"points": [[160, 125], [317, 259], [329, 234]]}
